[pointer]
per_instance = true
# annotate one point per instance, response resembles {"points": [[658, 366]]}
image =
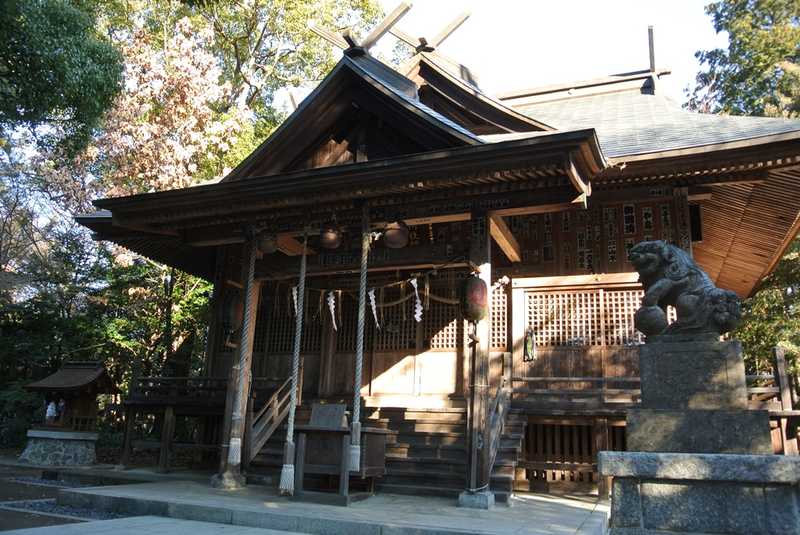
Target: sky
{"points": [[517, 44]]}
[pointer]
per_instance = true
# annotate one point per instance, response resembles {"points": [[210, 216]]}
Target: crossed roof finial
{"points": [[346, 41]]}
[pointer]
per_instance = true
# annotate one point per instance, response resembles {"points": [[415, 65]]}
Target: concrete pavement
{"points": [[383, 514], [149, 525]]}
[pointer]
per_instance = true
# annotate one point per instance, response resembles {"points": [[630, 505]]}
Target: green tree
{"points": [[55, 70], [758, 73]]}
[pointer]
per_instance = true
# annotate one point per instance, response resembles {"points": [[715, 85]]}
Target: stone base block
{"points": [[680, 372], [47, 447], [476, 500], [670, 493], [698, 431]]}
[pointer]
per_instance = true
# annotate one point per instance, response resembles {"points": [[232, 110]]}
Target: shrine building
{"points": [[353, 227]]}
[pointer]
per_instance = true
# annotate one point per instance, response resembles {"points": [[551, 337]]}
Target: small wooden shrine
{"points": [[68, 434], [338, 249]]}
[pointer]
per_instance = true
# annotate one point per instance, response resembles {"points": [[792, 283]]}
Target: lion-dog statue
{"points": [[671, 278]]}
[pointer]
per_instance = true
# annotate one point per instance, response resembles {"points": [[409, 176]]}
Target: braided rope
{"points": [[362, 297], [240, 400], [298, 334]]}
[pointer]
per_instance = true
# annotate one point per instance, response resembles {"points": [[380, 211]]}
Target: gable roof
{"points": [[75, 375], [330, 99]]}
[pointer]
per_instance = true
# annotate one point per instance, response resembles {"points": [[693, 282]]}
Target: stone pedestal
{"points": [[699, 462], [57, 447], [476, 500]]}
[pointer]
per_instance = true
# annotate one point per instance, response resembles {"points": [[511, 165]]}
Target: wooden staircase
{"points": [[427, 456]]}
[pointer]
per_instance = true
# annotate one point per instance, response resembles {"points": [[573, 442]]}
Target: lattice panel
{"points": [[398, 327], [594, 317], [620, 306], [275, 323], [499, 319], [564, 318], [441, 322]]}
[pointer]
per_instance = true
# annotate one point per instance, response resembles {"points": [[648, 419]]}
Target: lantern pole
{"points": [[286, 485], [355, 431]]}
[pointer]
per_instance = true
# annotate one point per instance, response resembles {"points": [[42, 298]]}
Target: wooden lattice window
{"points": [[585, 317], [398, 327], [442, 323], [275, 322], [564, 318], [499, 319]]}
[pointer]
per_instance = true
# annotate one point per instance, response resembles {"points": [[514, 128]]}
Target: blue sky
{"points": [[514, 44]]}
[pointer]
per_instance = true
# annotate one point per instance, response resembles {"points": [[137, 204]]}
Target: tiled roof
{"points": [[635, 123]]}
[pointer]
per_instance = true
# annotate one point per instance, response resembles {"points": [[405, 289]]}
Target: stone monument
{"points": [[698, 460]]}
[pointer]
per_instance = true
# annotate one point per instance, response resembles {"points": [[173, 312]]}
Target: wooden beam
{"points": [[504, 238], [575, 177], [536, 209], [388, 22], [448, 30], [290, 246], [413, 42], [334, 39]]}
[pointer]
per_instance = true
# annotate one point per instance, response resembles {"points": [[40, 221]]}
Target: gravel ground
{"points": [[50, 506]]}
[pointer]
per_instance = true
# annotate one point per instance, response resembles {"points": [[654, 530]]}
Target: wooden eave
{"points": [[334, 96], [736, 161], [450, 168], [427, 70]]}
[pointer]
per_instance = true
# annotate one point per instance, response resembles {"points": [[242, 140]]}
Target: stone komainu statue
{"points": [[670, 277]]}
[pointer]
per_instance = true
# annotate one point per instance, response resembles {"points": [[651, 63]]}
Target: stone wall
{"points": [[59, 448]]}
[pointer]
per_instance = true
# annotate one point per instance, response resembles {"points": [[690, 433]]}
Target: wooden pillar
{"points": [[216, 311], [167, 433], [127, 444], [601, 443], [788, 433], [230, 475], [480, 257]]}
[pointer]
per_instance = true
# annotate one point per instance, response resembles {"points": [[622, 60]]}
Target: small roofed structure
{"points": [[68, 435]]}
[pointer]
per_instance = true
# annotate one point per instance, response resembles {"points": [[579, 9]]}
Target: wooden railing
{"points": [[173, 390], [265, 420], [496, 417]]}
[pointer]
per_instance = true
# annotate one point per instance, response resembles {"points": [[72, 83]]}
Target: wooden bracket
{"points": [[504, 238]]}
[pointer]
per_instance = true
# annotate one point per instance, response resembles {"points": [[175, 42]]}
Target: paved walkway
{"points": [[383, 514], [146, 525]]}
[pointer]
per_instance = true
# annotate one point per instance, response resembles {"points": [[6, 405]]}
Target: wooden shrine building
{"points": [[541, 191]]}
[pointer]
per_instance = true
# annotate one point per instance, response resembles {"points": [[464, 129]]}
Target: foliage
{"points": [[195, 94], [54, 70], [772, 316], [758, 73], [160, 128]]}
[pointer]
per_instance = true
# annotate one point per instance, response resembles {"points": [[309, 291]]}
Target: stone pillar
{"points": [[699, 460]]}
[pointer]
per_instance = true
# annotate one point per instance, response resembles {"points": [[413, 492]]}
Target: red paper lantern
{"points": [[474, 299]]}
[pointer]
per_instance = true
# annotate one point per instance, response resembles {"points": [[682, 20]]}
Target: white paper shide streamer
{"points": [[374, 308], [332, 307], [417, 302], [294, 298]]}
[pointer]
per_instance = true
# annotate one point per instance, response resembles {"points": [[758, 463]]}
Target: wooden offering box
{"points": [[323, 448]]}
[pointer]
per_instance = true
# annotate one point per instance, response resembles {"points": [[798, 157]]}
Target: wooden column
{"points": [[480, 257], [167, 432], [127, 444], [788, 433], [230, 475], [216, 311], [601, 443]]}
